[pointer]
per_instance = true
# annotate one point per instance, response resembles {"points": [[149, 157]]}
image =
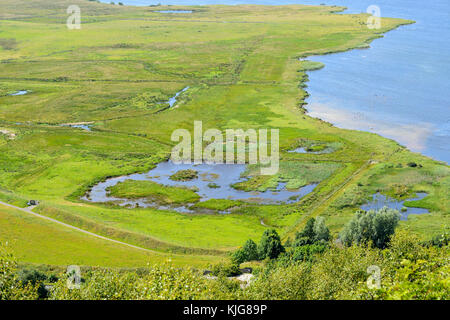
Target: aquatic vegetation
{"points": [[132, 189], [307, 65], [218, 204], [184, 175], [292, 173], [315, 147]]}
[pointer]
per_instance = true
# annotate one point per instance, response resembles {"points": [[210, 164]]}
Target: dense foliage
{"points": [[269, 247], [409, 270]]}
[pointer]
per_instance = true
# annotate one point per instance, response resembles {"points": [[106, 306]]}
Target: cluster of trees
{"points": [[372, 227], [269, 247]]}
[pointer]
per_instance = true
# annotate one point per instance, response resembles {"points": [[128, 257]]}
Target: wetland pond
{"points": [[174, 11], [87, 126], [311, 151], [83, 126], [379, 201], [213, 181], [19, 93]]}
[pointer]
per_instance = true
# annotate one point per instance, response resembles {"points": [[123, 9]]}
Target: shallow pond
{"points": [[379, 201], [305, 150], [221, 175], [174, 11], [19, 93], [79, 126]]}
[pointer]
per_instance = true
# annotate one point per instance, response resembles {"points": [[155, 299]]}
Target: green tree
{"points": [[251, 250], [314, 231], [238, 256], [248, 252], [371, 226], [270, 245], [321, 231]]}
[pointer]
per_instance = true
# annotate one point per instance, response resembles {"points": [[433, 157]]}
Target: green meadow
{"points": [[37, 241], [242, 67]]}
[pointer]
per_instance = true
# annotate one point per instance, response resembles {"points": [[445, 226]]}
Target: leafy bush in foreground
{"points": [[11, 288]]}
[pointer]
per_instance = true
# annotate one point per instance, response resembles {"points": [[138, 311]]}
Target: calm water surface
{"points": [[379, 201], [221, 175]]}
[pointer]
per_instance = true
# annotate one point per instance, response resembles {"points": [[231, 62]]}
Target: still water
{"points": [[223, 176]]}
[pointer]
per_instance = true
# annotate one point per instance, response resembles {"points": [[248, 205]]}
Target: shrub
{"points": [[248, 252], [36, 279], [11, 288], [226, 270], [307, 252]]}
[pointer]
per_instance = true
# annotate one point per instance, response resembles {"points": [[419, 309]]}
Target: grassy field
{"points": [[38, 241], [118, 72]]}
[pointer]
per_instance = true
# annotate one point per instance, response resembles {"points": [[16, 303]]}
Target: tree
{"points": [[314, 231], [270, 245], [250, 250], [321, 231], [375, 226], [238, 256]]}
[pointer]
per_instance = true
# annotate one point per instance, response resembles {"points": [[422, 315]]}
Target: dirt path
{"points": [[29, 211]]}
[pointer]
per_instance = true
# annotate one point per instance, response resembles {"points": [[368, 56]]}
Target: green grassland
{"points": [[242, 68], [39, 241]]}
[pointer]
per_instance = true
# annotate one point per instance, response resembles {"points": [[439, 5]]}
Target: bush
{"points": [[226, 270], [11, 288], [307, 252], [36, 279], [372, 226], [440, 240]]}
